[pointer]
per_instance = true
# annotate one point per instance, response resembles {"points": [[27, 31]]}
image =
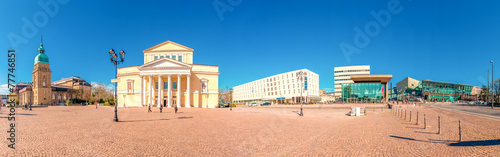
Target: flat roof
{"points": [[371, 78]]}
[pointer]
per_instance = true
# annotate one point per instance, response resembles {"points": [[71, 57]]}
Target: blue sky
{"points": [[449, 41]]}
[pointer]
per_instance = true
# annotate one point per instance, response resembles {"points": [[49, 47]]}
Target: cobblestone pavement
{"points": [[85, 131]]}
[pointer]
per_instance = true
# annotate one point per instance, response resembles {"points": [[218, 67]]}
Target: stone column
{"points": [[188, 92], [160, 90], [151, 89], [169, 92], [142, 89], [179, 90], [144, 103]]}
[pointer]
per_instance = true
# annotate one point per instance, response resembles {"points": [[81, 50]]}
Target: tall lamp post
{"points": [[492, 85], [301, 74], [116, 60]]}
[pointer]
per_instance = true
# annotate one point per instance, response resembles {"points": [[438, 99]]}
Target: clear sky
{"points": [[451, 40]]}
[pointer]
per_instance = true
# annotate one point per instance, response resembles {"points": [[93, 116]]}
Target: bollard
{"points": [[460, 130], [405, 114], [425, 123], [417, 117], [439, 124], [410, 116]]}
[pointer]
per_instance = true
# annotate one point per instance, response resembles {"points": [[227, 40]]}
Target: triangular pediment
{"points": [[169, 46], [165, 63]]}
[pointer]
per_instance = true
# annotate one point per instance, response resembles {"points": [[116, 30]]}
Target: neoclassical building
{"points": [[168, 77]]}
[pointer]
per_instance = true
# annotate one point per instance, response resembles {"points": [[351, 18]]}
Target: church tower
{"points": [[41, 78]]}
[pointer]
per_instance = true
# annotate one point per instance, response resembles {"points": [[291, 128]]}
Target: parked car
{"points": [[470, 103], [252, 104], [266, 103], [485, 103]]}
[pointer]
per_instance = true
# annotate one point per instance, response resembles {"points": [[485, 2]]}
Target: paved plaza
{"points": [[247, 131]]}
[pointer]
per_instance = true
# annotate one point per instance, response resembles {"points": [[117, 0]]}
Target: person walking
{"points": [[175, 108], [149, 108]]}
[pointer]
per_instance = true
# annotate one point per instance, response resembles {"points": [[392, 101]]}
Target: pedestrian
{"points": [[149, 108], [175, 108], [414, 105]]}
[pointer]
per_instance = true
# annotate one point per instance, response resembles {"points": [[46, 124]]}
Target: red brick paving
{"points": [[248, 131]]}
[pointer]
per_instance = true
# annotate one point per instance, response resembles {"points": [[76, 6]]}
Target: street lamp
{"points": [[492, 85], [114, 58], [301, 74]]}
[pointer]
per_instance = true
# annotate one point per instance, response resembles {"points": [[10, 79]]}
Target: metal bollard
{"points": [[460, 130], [417, 117], [439, 124], [405, 114], [410, 116], [425, 123]]}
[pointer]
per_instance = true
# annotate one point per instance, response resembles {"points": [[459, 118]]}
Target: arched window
{"points": [[44, 84]]}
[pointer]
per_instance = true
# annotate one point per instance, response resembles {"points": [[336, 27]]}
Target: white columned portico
{"points": [[151, 90], [188, 92], [160, 91], [142, 91], [178, 90], [169, 92]]}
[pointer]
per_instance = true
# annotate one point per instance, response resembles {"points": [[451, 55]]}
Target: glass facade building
{"points": [[362, 92], [444, 92]]}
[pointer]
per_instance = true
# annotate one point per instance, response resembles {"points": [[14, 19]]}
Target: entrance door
{"points": [[174, 100], [164, 103]]}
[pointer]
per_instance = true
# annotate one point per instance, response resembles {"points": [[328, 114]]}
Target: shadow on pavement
{"points": [[142, 120], [429, 141], [184, 117], [476, 143], [425, 132]]}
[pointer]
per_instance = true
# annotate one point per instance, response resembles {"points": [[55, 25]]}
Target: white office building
{"points": [[343, 75], [281, 88]]}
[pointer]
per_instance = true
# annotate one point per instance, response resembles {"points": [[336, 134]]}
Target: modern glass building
{"points": [[362, 92], [435, 91], [366, 89]]}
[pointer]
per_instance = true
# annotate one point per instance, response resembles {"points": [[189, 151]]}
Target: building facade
{"points": [[343, 75], [280, 88], [410, 89], [44, 92], [168, 77], [366, 89]]}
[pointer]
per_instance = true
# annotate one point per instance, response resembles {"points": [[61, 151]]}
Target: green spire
{"points": [[41, 57], [41, 49]]}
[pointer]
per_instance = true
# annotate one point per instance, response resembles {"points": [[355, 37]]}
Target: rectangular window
{"points": [[174, 85], [156, 85], [161, 57], [165, 85], [174, 57], [180, 58], [168, 56], [156, 57]]}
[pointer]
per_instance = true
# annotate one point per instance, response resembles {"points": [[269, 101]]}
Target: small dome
{"points": [[42, 58]]}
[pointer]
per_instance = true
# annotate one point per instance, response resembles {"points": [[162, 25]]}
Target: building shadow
{"points": [[143, 120], [428, 141], [184, 117], [476, 143]]}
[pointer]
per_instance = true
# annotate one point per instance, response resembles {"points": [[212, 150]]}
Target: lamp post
{"points": [[492, 85], [115, 60], [301, 74]]}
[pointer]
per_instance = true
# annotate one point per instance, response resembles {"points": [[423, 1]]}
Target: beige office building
{"points": [[343, 75], [280, 88]]}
